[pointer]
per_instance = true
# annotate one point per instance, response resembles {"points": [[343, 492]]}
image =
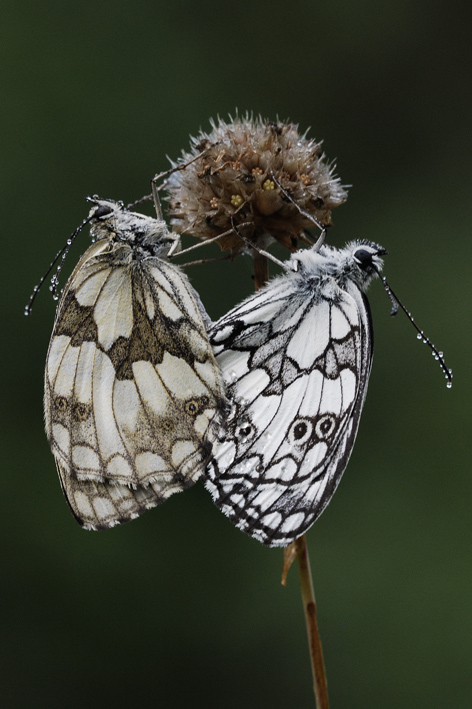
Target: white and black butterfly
{"points": [[296, 359], [133, 395]]}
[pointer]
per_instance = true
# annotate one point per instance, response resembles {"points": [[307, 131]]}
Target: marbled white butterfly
{"points": [[133, 395], [296, 359]]}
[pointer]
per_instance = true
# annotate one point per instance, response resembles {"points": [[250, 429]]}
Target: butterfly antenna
{"points": [[306, 214], [396, 303], [156, 188], [55, 279]]}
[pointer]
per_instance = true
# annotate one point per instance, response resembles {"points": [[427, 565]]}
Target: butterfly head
{"points": [[106, 217], [103, 209], [364, 261], [111, 220]]}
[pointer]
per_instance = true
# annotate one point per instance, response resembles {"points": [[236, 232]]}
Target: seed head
{"points": [[233, 183]]}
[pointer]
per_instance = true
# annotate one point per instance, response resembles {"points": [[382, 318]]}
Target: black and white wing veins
{"points": [[133, 395], [296, 360]]}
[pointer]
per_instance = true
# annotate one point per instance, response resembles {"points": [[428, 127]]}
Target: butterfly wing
{"points": [[296, 359], [133, 395]]}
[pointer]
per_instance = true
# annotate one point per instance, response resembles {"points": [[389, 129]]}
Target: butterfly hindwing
{"points": [[296, 359], [133, 395]]}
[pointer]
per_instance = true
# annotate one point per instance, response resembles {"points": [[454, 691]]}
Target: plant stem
{"points": [[299, 549], [261, 270], [320, 685]]}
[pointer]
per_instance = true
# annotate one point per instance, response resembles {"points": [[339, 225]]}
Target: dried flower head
{"points": [[238, 179]]}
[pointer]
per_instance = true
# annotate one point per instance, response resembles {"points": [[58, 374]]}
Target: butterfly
{"points": [[133, 396], [296, 359]]}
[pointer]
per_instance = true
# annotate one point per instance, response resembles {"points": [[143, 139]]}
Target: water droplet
{"points": [[418, 337], [69, 242], [55, 296], [441, 354], [449, 384]]}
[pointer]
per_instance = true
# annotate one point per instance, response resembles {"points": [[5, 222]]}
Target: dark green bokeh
{"points": [[179, 609]]}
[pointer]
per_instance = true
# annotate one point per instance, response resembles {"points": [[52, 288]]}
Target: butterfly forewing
{"points": [[133, 395], [296, 360]]}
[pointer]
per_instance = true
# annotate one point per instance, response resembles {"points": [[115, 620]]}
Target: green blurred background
{"points": [[180, 609]]}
